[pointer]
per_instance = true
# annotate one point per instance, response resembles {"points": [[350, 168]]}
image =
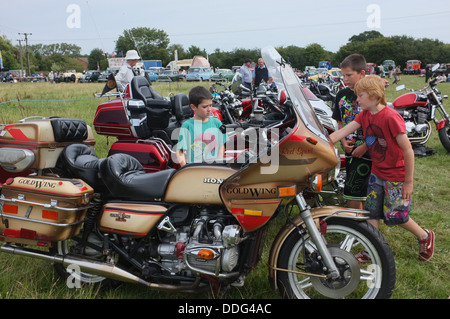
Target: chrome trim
{"points": [[53, 203], [39, 221]]}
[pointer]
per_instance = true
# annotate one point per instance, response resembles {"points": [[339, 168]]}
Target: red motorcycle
{"points": [[418, 108]]}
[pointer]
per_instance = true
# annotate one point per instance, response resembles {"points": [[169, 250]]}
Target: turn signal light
{"points": [[316, 183], [206, 254], [311, 140]]}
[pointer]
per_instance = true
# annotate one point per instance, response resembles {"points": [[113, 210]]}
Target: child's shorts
{"points": [[357, 177], [384, 201]]}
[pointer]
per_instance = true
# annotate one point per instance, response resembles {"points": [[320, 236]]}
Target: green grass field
{"points": [[24, 278]]}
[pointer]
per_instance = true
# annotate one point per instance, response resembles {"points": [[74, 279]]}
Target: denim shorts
{"points": [[384, 201]]}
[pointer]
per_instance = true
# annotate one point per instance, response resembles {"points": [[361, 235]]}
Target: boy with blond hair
{"points": [[391, 181]]}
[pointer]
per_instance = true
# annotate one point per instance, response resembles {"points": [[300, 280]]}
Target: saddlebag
{"points": [[35, 144], [41, 210], [154, 154]]}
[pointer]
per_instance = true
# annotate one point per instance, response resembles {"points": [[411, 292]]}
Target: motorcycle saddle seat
{"points": [[125, 177], [80, 161]]}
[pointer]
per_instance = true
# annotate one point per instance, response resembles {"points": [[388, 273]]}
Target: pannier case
{"points": [[41, 210], [153, 154]]}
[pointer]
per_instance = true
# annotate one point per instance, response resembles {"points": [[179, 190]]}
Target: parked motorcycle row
{"points": [[418, 108], [137, 217]]}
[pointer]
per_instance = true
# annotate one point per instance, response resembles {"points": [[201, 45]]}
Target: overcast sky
{"points": [[223, 24]]}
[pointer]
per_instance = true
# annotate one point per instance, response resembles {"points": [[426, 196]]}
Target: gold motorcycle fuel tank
{"points": [[198, 184]]}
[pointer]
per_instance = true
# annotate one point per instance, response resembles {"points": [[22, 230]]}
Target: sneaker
{"points": [[363, 257], [426, 246]]}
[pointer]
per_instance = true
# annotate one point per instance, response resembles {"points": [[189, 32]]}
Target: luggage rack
{"points": [[53, 204]]}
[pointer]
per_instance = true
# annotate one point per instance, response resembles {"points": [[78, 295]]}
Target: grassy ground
{"points": [[27, 278]]}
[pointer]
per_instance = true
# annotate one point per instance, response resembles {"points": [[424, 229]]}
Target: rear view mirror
{"points": [[435, 67]]}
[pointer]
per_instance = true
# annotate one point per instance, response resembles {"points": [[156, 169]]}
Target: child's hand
{"points": [[360, 151], [407, 190], [347, 145]]}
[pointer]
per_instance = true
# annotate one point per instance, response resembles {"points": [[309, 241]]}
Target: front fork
{"points": [[305, 214]]}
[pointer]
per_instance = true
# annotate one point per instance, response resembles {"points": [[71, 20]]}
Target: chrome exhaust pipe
{"points": [[94, 267]]}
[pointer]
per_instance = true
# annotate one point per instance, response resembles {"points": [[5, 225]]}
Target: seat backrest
{"points": [[80, 161], [181, 107], [140, 88]]}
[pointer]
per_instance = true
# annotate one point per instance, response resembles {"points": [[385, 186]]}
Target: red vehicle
{"points": [[370, 69], [412, 67], [419, 108]]}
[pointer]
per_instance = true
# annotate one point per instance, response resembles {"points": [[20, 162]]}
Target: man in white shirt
{"points": [[126, 72], [246, 73]]}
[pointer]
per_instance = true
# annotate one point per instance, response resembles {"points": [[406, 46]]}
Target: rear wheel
{"points": [[345, 238], [93, 250]]}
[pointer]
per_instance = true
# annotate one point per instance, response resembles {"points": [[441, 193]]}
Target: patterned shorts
{"points": [[384, 201]]}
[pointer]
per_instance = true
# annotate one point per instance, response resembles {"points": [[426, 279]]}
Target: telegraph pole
{"points": [[28, 55], [21, 60]]}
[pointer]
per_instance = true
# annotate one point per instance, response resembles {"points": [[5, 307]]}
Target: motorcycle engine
{"points": [[206, 242], [416, 119]]}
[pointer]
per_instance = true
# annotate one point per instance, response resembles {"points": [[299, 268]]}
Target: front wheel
{"points": [[444, 136], [345, 238]]}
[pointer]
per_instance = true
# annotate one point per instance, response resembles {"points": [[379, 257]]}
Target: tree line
{"points": [[154, 44]]}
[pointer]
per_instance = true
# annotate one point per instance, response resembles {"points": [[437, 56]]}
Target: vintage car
{"points": [[315, 74], [199, 73], [89, 76], [370, 68], [170, 76], [386, 64], [152, 75], [222, 75], [412, 67]]}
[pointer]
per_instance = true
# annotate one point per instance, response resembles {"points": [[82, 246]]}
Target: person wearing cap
{"points": [[246, 73], [126, 72]]}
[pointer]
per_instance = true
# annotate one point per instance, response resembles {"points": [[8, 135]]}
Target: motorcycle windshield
{"points": [[285, 79]]}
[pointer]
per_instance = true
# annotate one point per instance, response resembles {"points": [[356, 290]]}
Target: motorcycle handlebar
{"points": [[224, 127]]}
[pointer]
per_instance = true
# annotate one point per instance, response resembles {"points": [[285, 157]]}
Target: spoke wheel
{"points": [[345, 239]]}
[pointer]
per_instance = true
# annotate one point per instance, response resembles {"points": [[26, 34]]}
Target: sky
{"points": [[222, 24]]}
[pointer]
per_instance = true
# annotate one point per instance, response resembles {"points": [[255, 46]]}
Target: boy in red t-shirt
{"points": [[391, 183]]}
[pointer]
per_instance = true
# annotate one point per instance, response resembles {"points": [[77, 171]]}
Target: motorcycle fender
{"points": [[441, 124], [288, 228]]}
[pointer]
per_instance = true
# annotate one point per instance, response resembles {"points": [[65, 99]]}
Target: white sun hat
{"points": [[132, 55]]}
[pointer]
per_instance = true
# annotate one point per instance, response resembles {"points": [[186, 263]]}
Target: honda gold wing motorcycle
{"points": [[419, 108], [200, 226]]}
